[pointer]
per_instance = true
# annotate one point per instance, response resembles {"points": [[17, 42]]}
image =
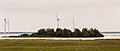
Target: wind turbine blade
{"points": [[56, 16], [57, 20]]}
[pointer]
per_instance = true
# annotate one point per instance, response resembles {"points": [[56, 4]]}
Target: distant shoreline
{"points": [[107, 37], [60, 38]]}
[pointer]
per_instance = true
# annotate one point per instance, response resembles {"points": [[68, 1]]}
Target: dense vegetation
{"points": [[59, 45], [65, 33]]}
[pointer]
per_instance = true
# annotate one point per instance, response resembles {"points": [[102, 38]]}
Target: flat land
{"points": [[59, 45]]}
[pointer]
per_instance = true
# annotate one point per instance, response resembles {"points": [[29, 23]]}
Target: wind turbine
{"points": [[6, 23], [58, 21], [73, 24]]}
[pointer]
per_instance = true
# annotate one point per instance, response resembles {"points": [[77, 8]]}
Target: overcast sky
{"points": [[31, 15]]}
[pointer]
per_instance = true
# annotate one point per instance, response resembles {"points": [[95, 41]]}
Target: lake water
{"points": [[111, 34]]}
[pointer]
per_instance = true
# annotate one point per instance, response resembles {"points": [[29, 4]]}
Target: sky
{"points": [[32, 15]]}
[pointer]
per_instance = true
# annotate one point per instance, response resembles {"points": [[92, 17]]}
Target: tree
{"points": [[66, 33], [58, 32], [97, 33], [91, 32], [50, 32], [69, 33], [24, 35], [35, 35], [42, 32], [77, 33], [85, 32]]}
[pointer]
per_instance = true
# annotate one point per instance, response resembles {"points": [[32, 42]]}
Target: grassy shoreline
{"points": [[59, 45]]}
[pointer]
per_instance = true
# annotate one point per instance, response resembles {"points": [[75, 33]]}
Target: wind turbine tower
{"points": [[5, 22], [58, 21], [73, 24], [6, 26]]}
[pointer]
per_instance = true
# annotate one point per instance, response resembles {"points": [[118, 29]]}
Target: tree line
{"points": [[65, 33]]}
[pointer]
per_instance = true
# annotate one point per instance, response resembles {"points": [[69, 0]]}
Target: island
{"points": [[50, 32]]}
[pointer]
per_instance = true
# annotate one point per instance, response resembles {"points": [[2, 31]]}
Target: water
{"points": [[16, 32], [2, 34], [111, 34]]}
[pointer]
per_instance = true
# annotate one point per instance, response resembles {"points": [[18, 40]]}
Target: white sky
{"points": [[31, 15]]}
